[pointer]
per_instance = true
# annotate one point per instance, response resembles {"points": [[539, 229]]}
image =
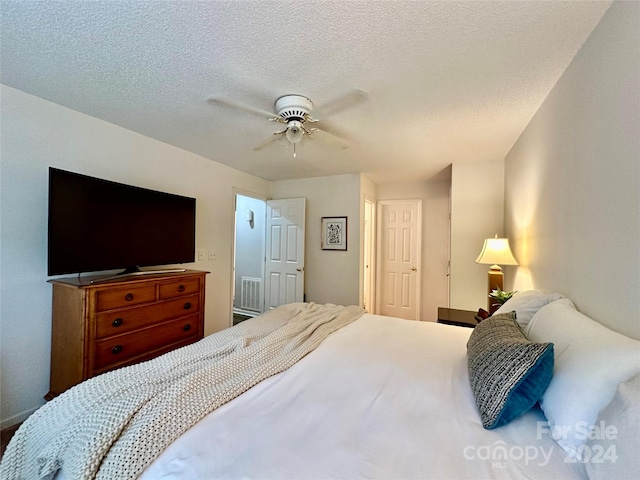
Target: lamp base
{"points": [[495, 281]]}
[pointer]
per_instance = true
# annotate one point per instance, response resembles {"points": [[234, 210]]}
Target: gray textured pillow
{"points": [[507, 372]]}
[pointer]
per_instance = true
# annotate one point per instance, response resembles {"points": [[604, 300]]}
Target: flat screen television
{"points": [[97, 225]]}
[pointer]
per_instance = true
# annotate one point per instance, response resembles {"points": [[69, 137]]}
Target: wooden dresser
{"points": [[102, 326]]}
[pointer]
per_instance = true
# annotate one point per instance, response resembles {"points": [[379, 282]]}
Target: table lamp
{"points": [[496, 252]]}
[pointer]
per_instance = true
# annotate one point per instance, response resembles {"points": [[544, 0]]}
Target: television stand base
{"points": [[129, 273]]}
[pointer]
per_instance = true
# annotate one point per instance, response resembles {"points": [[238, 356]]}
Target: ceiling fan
{"points": [[294, 111]]}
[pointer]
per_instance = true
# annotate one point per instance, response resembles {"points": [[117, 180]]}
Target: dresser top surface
{"points": [[112, 280]]}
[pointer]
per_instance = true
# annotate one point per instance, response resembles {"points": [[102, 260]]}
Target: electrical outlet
{"points": [[202, 254], [212, 255]]}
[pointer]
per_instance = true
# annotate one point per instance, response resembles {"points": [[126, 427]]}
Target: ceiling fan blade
{"points": [[333, 130], [270, 140], [322, 135], [342, 103], [233, 104]]}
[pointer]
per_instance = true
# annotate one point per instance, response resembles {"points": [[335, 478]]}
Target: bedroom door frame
{"points": [[369, 256], [297, 269]]}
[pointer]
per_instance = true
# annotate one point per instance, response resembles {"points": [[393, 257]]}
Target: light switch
{"points": [[202, 254], [212, 255]]}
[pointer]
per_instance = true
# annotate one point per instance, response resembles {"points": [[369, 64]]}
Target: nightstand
{"points": [[460, 318]]}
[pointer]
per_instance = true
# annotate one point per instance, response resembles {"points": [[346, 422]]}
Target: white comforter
{"points": [[380, 398]]}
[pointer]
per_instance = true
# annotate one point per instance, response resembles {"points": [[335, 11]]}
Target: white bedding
{"points": [[380, 398]]}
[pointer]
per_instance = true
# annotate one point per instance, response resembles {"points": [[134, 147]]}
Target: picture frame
{"points": [[334, 233]]}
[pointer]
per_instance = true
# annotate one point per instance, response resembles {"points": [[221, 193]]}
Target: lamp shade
{"points": [[496, 251]]}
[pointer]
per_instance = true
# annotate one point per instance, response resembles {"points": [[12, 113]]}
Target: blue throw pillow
{"points": [[507, 372]]}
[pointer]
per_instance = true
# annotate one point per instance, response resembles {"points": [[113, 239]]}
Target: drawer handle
{"points": [[187, 327], [181, 288], [116, 350], [187, 305], [117, 322], [128, 297]]}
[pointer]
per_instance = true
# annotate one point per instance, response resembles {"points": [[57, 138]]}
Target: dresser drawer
{"points": [[179, 287], [128, 319], [123, 297], [124, 347]]}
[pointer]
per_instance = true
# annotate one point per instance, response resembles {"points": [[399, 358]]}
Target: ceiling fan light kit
{"points": [[295, 131]]}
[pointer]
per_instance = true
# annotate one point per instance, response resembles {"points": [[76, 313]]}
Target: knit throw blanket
{"points": [[114, 425]]}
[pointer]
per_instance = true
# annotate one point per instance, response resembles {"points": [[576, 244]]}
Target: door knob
{"points": [[300, 269], [414, 269]]}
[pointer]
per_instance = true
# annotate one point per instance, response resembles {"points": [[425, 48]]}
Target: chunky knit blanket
{"points": [[114, 425]]}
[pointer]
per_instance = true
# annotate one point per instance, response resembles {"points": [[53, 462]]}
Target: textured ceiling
{"points": [[446, 81]]}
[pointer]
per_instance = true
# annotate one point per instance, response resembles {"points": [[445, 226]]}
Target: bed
{"points": [[381, 397]]}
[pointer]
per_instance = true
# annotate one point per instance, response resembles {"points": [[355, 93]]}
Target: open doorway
{"points": [[249, 254], [268, 254]]}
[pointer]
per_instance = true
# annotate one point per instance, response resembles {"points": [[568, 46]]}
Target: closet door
{"points": [[399, 240]]}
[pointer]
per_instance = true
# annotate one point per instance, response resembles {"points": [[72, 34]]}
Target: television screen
{"points": [[98, 225]]}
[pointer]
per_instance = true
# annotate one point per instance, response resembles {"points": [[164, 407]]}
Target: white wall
{"points": [[330, 276], [477, 212], [37, 134], [435, 238], [573, 179]]}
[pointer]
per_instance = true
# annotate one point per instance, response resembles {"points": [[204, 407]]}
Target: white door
{"points": [[284, 270], [399, 240]]}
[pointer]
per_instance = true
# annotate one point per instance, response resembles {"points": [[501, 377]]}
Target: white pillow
{"points": [[614, 446], [590, 362], [526, 304], [552, 323]]}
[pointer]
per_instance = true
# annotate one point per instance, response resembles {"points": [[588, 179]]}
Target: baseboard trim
{"points": [[16, 419]]}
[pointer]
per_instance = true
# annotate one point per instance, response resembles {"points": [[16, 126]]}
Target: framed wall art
{"points": [[334, 233]]}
